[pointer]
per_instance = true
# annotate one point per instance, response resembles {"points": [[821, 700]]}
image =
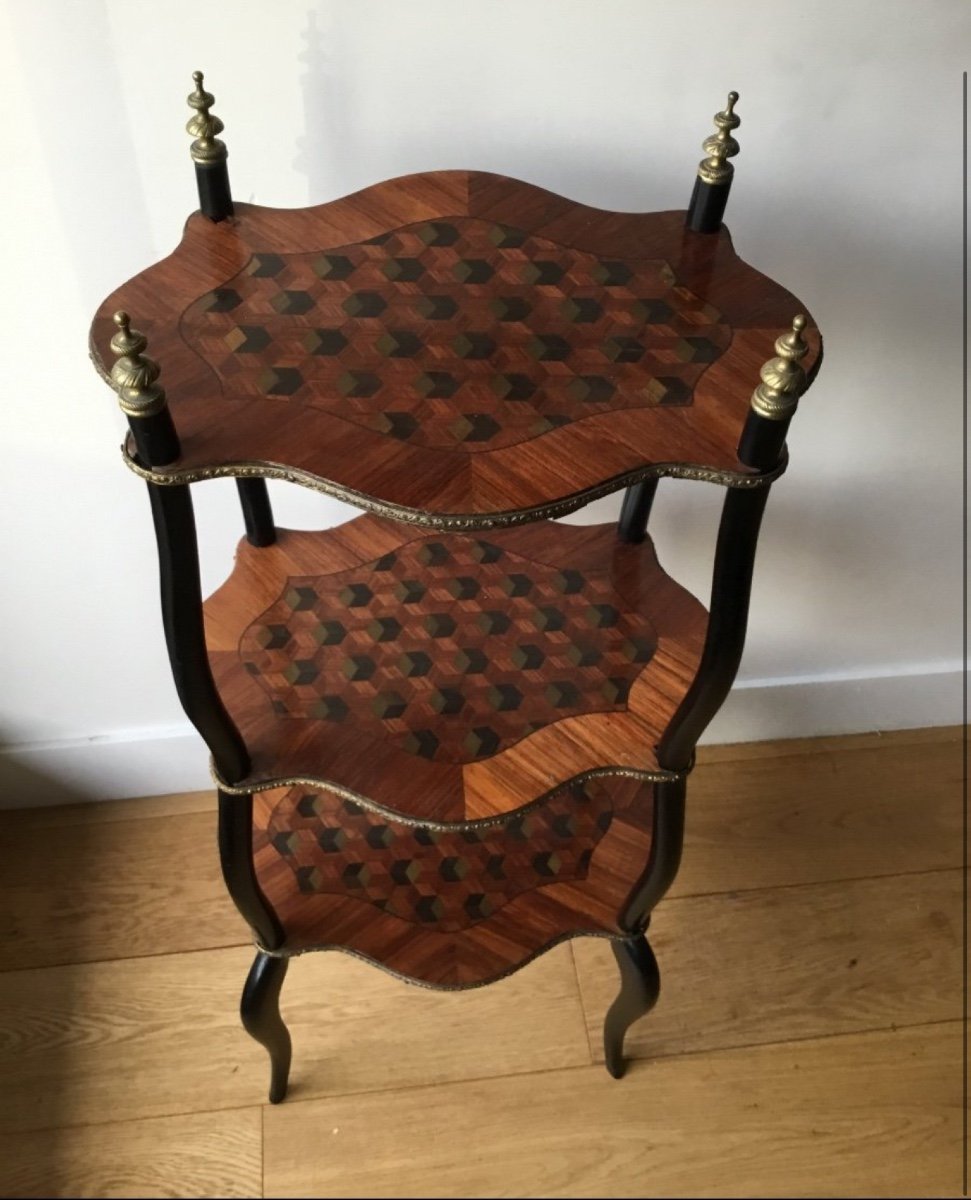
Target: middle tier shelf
{"points": [[446, 677]]}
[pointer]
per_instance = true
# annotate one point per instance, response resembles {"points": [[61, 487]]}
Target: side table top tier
{"points": [[455, 348]]}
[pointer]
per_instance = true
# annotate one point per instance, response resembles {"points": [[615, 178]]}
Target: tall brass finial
{"points": [[721, 146], [783, 379], [134, 374], [203, 125]]}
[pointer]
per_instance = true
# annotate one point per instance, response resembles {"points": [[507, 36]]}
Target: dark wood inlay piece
{"points": [[451, 908], [451, 677], [455, 343]]}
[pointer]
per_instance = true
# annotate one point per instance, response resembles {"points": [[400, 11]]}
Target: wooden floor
{"points": [[808, 1040]]}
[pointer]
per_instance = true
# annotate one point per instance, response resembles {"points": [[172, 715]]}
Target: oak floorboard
{"points": [[823, 812], [876, 1114], [155, 1036], [113, 889], [202, 1154], [785, 963]]}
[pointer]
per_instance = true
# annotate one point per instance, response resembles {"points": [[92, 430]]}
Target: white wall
{"points": [[848, 191]]}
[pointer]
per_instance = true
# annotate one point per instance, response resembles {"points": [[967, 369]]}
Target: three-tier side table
{"points": [[452, 732]]}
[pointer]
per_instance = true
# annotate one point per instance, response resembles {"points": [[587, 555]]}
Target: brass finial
{"points": [[134, 374], [203, 126], [721, 146], [783, 379]]}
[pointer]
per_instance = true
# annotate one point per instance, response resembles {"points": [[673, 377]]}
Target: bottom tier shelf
{"points": [[451, 908], [448, 677]]}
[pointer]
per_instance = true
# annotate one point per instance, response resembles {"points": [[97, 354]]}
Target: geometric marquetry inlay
{"points": [[448, 879], [452, 648], [461, 334], [450, 677], [451, 907]]}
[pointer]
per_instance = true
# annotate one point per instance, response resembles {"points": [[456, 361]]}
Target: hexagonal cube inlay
{"points": [[449, 645], [506, 329]]}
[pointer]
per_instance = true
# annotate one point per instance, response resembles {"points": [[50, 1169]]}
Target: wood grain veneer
{"points": [[455, 344], [451, 908], [448, 677]]}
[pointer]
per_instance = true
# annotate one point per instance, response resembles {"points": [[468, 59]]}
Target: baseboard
{"points": [[144, 762], [764, 709], [150, 762]]}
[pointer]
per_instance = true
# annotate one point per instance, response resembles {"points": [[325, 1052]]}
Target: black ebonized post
{"points": [[707, 206], [763, 440], [762, 446], [175, 532], [236, 859], [635, 511], [667, 839], [142, 400], [257, 513], [155, 438], [215, 198], [731, 589], [157, 444]]}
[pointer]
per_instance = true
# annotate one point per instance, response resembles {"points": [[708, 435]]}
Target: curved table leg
{"points": [[640, 984], [260, 1011]]}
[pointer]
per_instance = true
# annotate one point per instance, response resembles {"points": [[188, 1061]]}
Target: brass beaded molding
{"points": [[287, 781], [459, 521]]}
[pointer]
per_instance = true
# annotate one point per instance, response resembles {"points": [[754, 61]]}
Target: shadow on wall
{"points": [[326, 128], [23, 786]]}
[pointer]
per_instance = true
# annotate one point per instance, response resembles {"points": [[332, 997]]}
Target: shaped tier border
{"points": [[549, 473], [448, 679]]}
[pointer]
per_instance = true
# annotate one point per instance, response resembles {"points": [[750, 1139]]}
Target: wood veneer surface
{"points": [[450, 677], [452, 908], [453, 343]]}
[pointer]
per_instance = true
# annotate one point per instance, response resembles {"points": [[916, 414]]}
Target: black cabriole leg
{"points": [[640, 985], [260, 1010]]}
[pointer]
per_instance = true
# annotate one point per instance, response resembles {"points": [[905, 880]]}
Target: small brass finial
{"points": [[134, 374], [204, 126], [783, 379], [721, 146]]}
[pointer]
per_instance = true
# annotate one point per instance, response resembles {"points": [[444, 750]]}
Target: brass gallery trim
{"points": [[285, 952], [444, 826], [174, 477]]}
